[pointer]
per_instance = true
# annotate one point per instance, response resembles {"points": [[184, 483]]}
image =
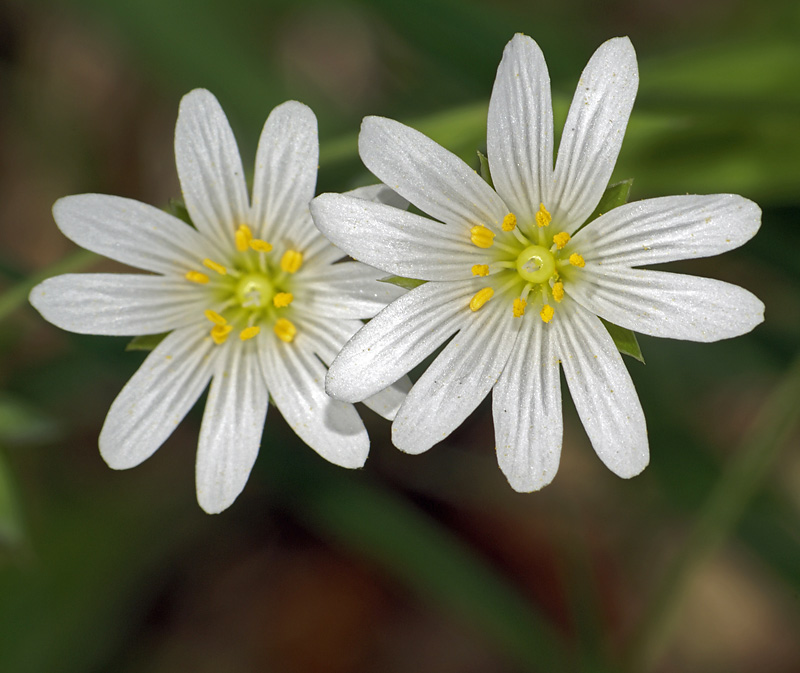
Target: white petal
{"points": [[286, 175], [210, 169], [667, 229], [233, 422], [346, 290], [593, 133], [396, 241], [379, 193], [458, 379], [118, 304], [669, 305], [602, 390], [433, 179], [295, 378], [327, 338], [526, 405], [519, 134], [130, 232], [399, 338], [158, 396]]}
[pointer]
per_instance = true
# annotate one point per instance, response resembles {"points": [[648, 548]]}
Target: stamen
{"points": [[242, 238], [561, 239], [481, 236], [291, 261], [215, 317], [196, 277], [509, 222], [219, 333], [285, 330], [576, 260], [249, 332], [543, 218], [282, 299], [214, 266], [519, 307], [558, 291], [480, 298], [480, 270], [546, 313], [260, 246]]}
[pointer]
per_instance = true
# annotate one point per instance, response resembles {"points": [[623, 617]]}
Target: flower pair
{"points": [[257, 301]]}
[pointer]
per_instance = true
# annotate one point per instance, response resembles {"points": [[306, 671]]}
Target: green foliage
{"points": [[400, 281]]}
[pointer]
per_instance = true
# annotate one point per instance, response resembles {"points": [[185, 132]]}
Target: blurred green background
{"points": [[426, 563]]}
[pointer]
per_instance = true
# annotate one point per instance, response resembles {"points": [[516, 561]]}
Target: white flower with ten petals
{"points": [[251, 298], [513, 281]]}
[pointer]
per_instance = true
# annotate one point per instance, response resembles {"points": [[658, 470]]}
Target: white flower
{"points": [[513, 281], [251, 298]]}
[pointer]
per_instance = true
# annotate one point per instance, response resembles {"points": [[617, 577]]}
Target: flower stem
{"points": [[15, 296], [724, 507]]}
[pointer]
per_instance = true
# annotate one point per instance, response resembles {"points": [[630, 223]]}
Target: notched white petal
{"points": [[669, 228], [602, 390], [520, 130]]}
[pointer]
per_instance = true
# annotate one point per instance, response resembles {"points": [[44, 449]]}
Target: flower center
{"points": [[527, 271], [536, 264], [254, 291], [251, 291]]}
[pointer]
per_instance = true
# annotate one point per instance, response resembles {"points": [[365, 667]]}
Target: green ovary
{"points": [[536, 264]]}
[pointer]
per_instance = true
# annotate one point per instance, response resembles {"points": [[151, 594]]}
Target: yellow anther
{"points": [[519, 307], [509, 222], [543, 217], [211, 264], [215, 317], [576, 260], [260, 246], [249, 332], [561, 239], [480, 298], [285, 330], [558, 291], [219, 333], [546, 313], [291, 261], [480, 270], [242, 238], [481, 236], [197, 277], [282, 299]]}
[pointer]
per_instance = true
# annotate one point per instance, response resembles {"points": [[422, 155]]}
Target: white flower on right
{"points": [[517, 280]]}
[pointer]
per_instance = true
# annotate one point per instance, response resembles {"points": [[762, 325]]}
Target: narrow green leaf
{"points": [[615, 195], [407, 283], [146, 342], [11, 530], [21, 423], [177, 208], [625, 340], [485, 172]]}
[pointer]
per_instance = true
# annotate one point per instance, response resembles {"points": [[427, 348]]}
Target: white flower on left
{"points": [[251, 298]]}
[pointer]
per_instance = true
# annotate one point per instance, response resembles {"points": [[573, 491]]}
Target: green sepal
{"points": [[407, 283], [625, 340], [615, 195], [177, 208], [484, 172], [146, 342]]}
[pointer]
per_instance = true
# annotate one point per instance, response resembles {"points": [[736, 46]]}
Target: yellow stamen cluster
{"points": [[260, 246], [509, 222], [249, 332], [519, 307], [214, 266], [291, 261], [480, 298], [558, 291], [196, 277], [546, 313], [482, 236], [285, 330], [282, 299], [242, 238], [561, 239], [576, 260], [543, 217], [480, 270]]}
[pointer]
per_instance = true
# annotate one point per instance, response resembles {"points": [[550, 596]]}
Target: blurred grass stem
{"points": [[726, 504]]}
